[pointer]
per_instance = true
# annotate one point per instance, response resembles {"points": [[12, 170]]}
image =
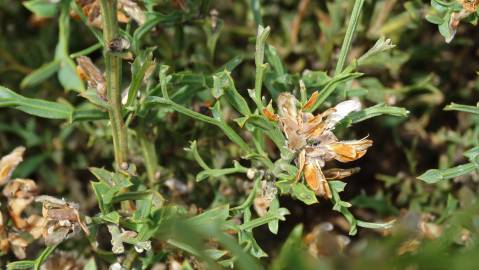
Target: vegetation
{"points": [[182, 134]]}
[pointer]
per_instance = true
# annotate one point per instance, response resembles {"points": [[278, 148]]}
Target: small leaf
{"points": [[37, 107], [92, 96], [21, 265], [462, 108], [112, 217], [472, 154], [435, 175], [304, 194], [68, 77], [42, 8], [377, 110], [220, 172], [40, 75]]}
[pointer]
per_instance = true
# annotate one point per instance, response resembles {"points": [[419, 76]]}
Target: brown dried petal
{"points": [[55, 234], [4, 245], [9, 162], [133, 10], [470, 5], [18, 245], [347, 151], [15, 209], [36, 226], [337, 173], [20, 188]]}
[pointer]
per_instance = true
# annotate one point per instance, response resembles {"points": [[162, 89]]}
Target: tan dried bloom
{"points": [[9, 162], [20, 194], [264, 198], [322, 240], [62, 219], [90, 73], [127, 9], [4, 245], [469, 5], [119, 235], [311, 137], [18, 245], [64, 261]]}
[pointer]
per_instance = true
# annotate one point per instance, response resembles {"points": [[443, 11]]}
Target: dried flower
{"points": [[4, 245], [119, 235], [20, 194], [90, 73], [323, 241], [133, 10], [265, 197], [64, 261], [18, 245], [470, 5], [9, 162], [311, 137], [62, 219], [127, 10]]}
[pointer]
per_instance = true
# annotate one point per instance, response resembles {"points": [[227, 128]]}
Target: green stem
{"points": [[260, 67], [113, 71], [348, 38]]}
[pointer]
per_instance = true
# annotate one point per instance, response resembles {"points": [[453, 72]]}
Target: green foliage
{"points": [[184, 163]]}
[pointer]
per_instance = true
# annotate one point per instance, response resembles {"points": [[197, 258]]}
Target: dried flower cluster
{"points": [[311, 137], [470, 5], [59, 219], [127, 9]]}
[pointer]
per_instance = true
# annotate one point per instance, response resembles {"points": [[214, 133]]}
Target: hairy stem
{"points": [[113, 71]]}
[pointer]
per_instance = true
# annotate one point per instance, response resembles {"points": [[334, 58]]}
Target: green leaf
{"points": [[208, 220], [435, 175], [278, 214], [376, 110], [373, 225], [37, 107], [43, 256], [21, 265], [68, 77], [90, 265], [110, 178], [89, 115], [215, 173], [104, 195], [40, 75], [434, 19], [304, 194], [42, 8], [273, 226], [231, 94], [138, 70], [462, 108], [112, 217], [92, 96], [293, 253], [132, 196], [472, 154], [229, 132], [331, 86]]}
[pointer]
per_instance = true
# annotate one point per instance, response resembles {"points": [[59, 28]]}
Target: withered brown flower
{"points": [[20, 194], [127, 9], [470, 5], [311, 138], [62, 219], [90, 73], [9, 162]]}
